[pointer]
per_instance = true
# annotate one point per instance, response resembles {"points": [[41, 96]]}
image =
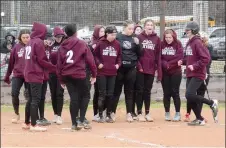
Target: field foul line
{"points": [[113, 136]]}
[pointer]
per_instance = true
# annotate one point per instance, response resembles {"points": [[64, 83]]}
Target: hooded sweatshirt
{"points": [[130, 50], [7, 42], [196, 54], [108, 54], [150, 60], [54, 49], [96, 36], [36, 60], [170, 55], [16, 61], [73, 55]]}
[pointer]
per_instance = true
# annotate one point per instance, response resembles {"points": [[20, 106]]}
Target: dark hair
{"points": [[127, 22], [70, 29], [23, 31], [110, 29], [149, 20]]}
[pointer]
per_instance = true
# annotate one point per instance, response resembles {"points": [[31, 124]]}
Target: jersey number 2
{"points": [[69, 57]]}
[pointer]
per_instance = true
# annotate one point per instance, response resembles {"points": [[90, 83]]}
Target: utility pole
{"points": [[130, 17], [162, 18], [138, 18], [12, 14], [18, 14], [200, 14]]}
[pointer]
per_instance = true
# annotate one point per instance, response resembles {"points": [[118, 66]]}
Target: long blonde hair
{"points": [[204, 37]]}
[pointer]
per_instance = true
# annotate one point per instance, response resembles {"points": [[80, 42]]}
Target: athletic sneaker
{"points": [[25, 126], [43, 122], [205, 119], [167, 116], [134, 115], [197, 122], [105, 113], [109, 119], [214, 108], [176, 117], [113, 116], [59, 120], [15, 118], [55, 119], [141, 118], [96, 118], [86, 126], [86, 121], [129, 117], [187, 118], [101, 120], [37, 129], [149, 118], [74, 127], [80, 124]]}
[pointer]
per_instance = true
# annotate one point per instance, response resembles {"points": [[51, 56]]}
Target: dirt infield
{"points": [[120, 134]]}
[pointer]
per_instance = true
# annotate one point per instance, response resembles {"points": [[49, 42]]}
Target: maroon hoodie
{"points": [[35, 56], [54, 49], [198, 56], [72, 57], [16, 61], [96, 31], [108, 54], [150, 60], [170, 55]]}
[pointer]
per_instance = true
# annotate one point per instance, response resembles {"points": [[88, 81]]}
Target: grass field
{"points": [[154, 104]]}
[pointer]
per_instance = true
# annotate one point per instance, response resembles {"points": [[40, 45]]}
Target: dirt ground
{"points": [[120, 134]]}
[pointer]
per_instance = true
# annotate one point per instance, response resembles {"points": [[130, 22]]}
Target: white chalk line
{"points": [[113, 136]]}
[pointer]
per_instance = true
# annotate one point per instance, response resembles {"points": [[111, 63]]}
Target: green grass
{"points": [[48, 106]]}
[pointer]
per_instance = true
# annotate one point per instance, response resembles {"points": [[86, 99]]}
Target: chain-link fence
{"points": [[175, 14]]}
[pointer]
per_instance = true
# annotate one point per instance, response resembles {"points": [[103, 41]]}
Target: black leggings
{"points": [[106, 86], [41, 106], [193, 99], [171, 88], [126, 77], [201, 91], [57, 94], [16, 86], [79, 101], [143, 88], [31, 109]]}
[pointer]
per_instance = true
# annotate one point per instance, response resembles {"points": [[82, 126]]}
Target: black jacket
{"points": [[130, 50]]}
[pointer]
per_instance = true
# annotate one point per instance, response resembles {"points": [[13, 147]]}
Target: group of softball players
{"points": [[130, 59]]}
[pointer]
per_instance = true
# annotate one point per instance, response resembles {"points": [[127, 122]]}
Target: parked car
{"points": [[220, 48], [215, 34], [118, 25]]}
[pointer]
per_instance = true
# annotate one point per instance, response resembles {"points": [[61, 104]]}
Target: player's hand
{"points": [[45, 42], [191, 67], [6, 80], [92, 80], [100, 66], [94, 46], [180, 62], [117, 66], [141, 70], [136, 40], [62, 85]]}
